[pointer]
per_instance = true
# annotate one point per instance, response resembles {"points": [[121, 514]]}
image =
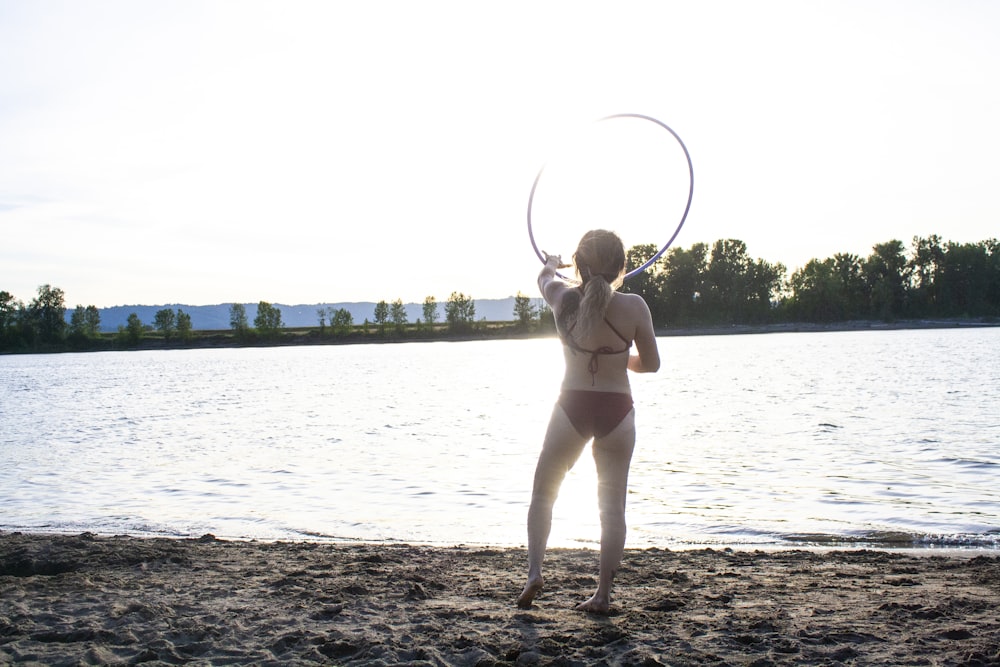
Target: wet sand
{"points": [[70, 600]]}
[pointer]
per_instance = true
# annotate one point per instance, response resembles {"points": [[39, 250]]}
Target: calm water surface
{"points": [[884, 438]]}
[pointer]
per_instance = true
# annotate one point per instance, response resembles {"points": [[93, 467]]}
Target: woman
{"points": [[598, 326]]}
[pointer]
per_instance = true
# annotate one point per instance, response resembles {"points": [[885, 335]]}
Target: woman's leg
{"points": [[612, 454], [560, 450]]}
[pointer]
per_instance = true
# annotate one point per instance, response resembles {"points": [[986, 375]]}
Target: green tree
{"points": [[886, 277], [850, 275], [430, 311], [321, 315], [84, 325], [341, 321], [91, 321], [683, 284], [460, 312], [381, 315], [268, 320], [765, 285], [238, 320], [925, 266], [524, 310], [966, 280], [649, 283], [728, 280], [131, 333], [993, 278], [47, 315], [817, 295], [546, 319], [77, 321], [165, 321], [830, 290], [10, 309], [184, 331], [397, 312]]}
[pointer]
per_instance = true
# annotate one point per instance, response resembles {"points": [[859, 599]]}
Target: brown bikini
{"points": [[595, 413]]}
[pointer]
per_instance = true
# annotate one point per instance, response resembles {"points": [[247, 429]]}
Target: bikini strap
{"points": [[593, 364], [628, 343]]}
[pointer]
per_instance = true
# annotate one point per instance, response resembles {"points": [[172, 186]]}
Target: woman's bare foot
{"points": [[531, 589], [596, 605]]}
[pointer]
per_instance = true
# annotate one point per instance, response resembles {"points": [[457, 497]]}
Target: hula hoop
{"points": [[687, 207]]}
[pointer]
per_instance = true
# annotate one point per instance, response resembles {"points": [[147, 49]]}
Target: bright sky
{"points": [[203, 152]]}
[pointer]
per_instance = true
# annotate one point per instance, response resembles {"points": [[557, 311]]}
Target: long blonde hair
{"points": [[600, 267]]}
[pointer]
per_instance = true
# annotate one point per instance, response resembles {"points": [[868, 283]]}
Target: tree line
{"points": [[391, 318], [41, 324], [459, 316], [722, 284], [719, 284]]}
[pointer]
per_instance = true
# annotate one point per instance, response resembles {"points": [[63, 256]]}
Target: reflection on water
{"points": [[884, 437]]}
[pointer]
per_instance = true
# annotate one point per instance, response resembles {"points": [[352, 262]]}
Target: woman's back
{"points": [[599, 362]]}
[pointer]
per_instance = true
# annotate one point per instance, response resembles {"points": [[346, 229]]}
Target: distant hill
{"points": [[217, 317]]}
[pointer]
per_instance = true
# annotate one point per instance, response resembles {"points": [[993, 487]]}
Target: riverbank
{"points": [[480, 331], [68, 600], [802, 327]]}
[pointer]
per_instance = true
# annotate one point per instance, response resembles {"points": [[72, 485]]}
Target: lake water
{"points": [[874, 438]]}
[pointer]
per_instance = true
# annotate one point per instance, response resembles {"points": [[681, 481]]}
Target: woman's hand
{"points": [[555, 260], [549, 283]]}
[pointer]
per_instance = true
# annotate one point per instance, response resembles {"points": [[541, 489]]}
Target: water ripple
{"points": [[856, 438]]}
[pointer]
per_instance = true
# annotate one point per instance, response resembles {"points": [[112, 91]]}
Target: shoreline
{"points": [[809, 327], [85, 599], [897, 546], [297, 337]]}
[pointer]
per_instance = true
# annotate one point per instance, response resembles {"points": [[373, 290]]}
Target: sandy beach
{"points": [[70, 600]]}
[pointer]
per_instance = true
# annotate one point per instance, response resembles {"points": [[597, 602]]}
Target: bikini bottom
{"points": [[595, 413]]}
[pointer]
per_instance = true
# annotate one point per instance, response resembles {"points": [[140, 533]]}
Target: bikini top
{"points": [[592, 366]]}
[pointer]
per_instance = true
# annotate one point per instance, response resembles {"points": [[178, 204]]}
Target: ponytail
{"points": [[600, 263], [597, 293]]}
